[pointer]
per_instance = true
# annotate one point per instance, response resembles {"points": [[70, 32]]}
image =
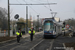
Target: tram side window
{"points": [[52, 27]]}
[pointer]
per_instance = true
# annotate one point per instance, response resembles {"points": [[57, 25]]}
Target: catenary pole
{"points": [[26, 19], [8, 19]]}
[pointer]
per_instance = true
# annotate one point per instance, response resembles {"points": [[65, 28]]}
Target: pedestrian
{"points": [[31, 32], [19, 34]]}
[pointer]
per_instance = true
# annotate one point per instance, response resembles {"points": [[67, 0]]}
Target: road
{"points": [[38, 43]]}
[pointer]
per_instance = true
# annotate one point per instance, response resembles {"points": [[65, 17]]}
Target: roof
{"points": [[20, 23]]}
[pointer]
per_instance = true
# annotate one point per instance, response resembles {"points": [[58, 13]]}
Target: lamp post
{"points": [[27, 19], [38, 22]]}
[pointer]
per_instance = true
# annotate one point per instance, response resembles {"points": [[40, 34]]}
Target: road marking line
{"points": [[36, 45], [46, 49], [64, 46], [51, 45]]}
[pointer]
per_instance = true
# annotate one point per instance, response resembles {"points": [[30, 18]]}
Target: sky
{"points": [[65, 8]]}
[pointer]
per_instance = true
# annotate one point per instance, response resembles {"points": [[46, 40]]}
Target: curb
{"points": [[8, 41], [11, 40]]}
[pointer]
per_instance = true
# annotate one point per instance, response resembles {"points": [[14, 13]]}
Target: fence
{"points": [[3, 33]]}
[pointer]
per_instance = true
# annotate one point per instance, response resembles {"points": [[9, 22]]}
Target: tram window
{"points": [[47, 26], [51, 26]]}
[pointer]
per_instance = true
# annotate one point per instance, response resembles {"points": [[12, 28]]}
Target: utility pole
{"points": [[38, 21], [26, 19], [8, 19]]}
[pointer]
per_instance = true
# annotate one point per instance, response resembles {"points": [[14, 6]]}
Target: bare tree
{"points": [[3, 18]]}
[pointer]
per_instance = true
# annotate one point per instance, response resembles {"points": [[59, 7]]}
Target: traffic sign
{"points": [[67, 26], [16, 16]]}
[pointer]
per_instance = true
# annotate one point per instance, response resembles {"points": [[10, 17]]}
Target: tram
{"points": [[51, 28]]}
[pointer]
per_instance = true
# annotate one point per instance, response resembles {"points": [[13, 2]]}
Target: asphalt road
{"points": [[38, 43]]}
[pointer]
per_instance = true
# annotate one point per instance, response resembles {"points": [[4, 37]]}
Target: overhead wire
{"points": [[31, 7], [12, 10], [49, 6], [39, 2], [18, 1], [45, 6]]}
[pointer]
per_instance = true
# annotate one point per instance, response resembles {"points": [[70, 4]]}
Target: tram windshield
{"points": [[48, 26]]}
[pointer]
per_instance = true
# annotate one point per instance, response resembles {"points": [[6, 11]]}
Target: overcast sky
{"points": [[65, 8]]}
